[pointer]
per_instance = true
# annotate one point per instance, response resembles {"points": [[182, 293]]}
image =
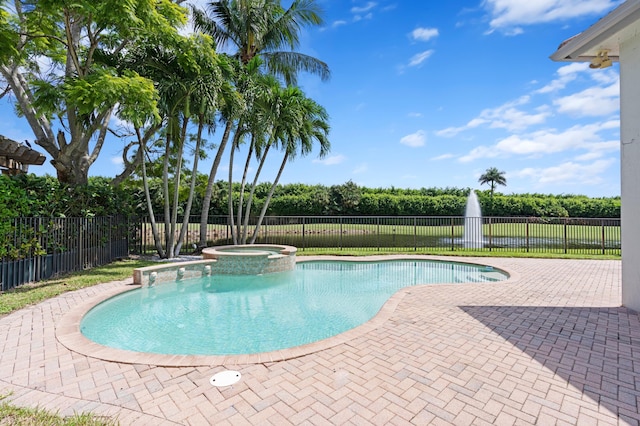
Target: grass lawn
{"points": [[12, 415], [436, 235], [33, 293]]}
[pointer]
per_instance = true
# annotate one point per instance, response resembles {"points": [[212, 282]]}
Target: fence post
{"points": [[527, 234], [303, 242], [110, 241], [452, 234], [490, 235], [378, 232], [565, 235], [266, 233], [603, 236], [340, 232], [80, 244], [415, 234]]}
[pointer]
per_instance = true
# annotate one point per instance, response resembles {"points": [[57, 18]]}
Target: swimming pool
{"points": [[230, 314]]}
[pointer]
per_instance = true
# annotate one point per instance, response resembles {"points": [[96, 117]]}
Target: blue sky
{"points": [[432, 93]]}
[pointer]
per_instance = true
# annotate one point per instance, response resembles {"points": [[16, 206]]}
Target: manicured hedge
{"points": [[29, 195], [38, 196]]}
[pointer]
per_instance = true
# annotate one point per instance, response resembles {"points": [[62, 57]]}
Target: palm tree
{"points": [[264, 28], [298, 136], [493, 177], [265, 36], [189, 82]]}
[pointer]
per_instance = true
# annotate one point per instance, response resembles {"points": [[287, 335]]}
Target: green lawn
{"points": [[33, 293], [12, 415], [434, 235]]}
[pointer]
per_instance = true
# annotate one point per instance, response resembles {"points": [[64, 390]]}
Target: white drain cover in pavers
{"points": [[225, 378]]}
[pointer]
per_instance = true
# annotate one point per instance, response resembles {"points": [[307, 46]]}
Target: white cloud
{"points": [[513, 119], [594, 101], [117, 160], [419, 58], [357, 18], [366, 8], [361, 169], [116, 121], [566, 74], [583, 137], [509, 15], [570, 172], [332, 160], [415, 114], [443, 157], [479, 152], [363, 12], [506, 116], [424, 34], [415, 140]]}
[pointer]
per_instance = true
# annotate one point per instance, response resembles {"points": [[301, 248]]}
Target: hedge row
{"points": [[29, 195], [35, 196], [378, 204]]}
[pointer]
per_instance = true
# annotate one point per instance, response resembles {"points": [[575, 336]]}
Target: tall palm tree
{"points": [[189, 78], [303, 122], [265, 36], [264, 28], [493, 177]]}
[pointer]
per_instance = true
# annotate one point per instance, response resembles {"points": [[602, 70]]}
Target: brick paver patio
{"points": [[550, 346]]}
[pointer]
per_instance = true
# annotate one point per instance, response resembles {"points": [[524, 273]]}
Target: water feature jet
{"points": [[472, 237]]}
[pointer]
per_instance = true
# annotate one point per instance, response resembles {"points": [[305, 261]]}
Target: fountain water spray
{"points": [[473, 222]]}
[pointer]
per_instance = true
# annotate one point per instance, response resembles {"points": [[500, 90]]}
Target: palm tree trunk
{"points": [[165, 190], [176, 188], [192, 187], [251, 193], [230, 196], [242, 189], [266, 202], [206, 200], [152, 219]]}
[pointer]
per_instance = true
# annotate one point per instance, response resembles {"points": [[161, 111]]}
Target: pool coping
{"points": [[69, 335]]}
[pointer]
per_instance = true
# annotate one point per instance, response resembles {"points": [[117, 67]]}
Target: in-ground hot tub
{"points": [[251, 259]]}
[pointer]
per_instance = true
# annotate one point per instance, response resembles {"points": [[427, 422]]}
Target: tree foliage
{"points": [[60, 77], [493, 177]]}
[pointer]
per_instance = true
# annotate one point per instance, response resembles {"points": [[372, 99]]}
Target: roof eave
{"points": [[576, 48]]}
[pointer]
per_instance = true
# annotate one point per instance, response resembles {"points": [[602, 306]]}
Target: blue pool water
{"points": [[231, 314]]}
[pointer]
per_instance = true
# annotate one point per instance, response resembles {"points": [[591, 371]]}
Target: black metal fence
{"points": [[34, 249], [416, 233]]}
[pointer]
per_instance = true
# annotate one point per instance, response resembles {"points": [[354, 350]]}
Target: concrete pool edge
{"points": [[67, 329]]}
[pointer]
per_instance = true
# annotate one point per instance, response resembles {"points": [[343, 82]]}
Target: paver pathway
{"points": [[551, 346]]}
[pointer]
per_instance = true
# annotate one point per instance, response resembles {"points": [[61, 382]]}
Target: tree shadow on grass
{"points": [[596, 350]]}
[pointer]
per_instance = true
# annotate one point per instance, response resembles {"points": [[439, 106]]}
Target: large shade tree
{"points": [[60, 85]]}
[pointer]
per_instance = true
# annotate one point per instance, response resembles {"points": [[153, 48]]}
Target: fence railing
{"points": [[34, 249], [415, 233]]}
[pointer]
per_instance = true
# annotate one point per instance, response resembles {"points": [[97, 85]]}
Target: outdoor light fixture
{"points": [[601, 60]]}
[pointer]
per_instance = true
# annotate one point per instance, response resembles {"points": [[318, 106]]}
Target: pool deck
{"points": [[550, 346]]}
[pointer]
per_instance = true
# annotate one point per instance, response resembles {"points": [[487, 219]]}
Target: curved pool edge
{"points": [[68, 332]]}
